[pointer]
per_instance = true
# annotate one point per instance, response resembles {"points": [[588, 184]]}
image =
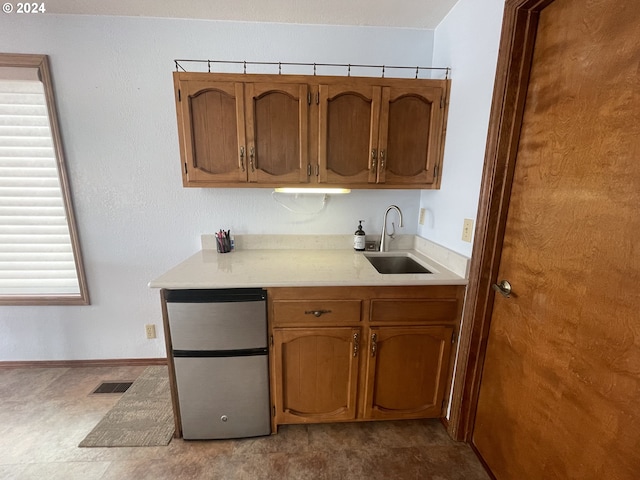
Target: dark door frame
{"points": [[519, 26]]}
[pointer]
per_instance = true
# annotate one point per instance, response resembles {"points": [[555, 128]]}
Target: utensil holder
{"points": [[223, 245]]}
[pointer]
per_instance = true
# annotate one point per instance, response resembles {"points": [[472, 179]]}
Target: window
{"points": [[40, 260]]}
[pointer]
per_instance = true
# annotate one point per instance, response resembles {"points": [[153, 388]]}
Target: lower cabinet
{"points": [[318, 373], [361, 353], [407, 371]]}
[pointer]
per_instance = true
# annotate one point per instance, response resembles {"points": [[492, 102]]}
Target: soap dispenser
{"points": [[358, 238]]}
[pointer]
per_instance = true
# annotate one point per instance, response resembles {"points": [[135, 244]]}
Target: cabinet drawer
{"points": [[440, 310], [287, 312]]}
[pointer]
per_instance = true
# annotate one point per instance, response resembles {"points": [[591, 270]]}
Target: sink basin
{"points": [[395, 263]]}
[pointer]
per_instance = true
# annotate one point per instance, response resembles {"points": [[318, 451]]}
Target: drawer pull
{"points": [[316, 313]]}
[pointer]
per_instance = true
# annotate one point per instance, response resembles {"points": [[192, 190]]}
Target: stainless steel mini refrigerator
{"points": [[219, 344]]}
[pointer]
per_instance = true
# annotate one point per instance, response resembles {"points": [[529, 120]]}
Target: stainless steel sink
{"points": [[396, 263]]}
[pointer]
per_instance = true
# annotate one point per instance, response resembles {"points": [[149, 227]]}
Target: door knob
{"points": [[503, 288]]}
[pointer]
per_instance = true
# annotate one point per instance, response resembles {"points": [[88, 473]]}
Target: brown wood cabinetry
{"points": [[407, 371], [311, 359], [363, 353], [270, 130], [211, 131], [277, 132], [348, 133], [380, 135], [409, 146], [242, 133]]}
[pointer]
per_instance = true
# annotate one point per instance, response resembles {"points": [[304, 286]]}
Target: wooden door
{"points": [[348, 133], [407, 371], [560, 385], [212, 133], [277, 132], [316, 373], [410, 135]]}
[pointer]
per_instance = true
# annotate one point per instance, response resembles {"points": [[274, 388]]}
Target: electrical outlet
{"points": [[150, 328], [421, 217], [467, 230]]}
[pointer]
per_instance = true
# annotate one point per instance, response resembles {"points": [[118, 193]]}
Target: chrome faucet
{"points": [[383, 243]]}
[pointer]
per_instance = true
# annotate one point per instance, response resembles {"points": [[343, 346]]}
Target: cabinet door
{"points": [[277, 132], [348, 133], [212, 132], [407, 371], [316, 373], [410, 135]]}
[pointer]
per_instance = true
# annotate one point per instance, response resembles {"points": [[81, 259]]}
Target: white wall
{"points": [[467, 41], [112, 79]]}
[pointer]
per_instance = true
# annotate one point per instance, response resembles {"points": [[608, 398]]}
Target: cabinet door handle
{"points": [[374, 344], [316, 313], [242, 158], [356, 344], [374, 158], [251, 155], [382, 155]]}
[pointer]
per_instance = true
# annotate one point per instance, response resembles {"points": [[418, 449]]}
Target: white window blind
{"points": [[36, 254]]}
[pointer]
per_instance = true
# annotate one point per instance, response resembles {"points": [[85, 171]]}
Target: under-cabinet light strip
{"points": [[312, 190]]}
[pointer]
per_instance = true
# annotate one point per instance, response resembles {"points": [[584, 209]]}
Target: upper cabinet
{"points": [[277, 120], [239, 132], [411, 134], [212, 133], [348, 133], [380, 135], [271, 130]]}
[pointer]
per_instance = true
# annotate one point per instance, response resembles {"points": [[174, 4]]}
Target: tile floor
{"points": [[46, 412]]}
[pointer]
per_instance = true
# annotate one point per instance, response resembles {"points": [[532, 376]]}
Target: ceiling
{"points": [[423, 14]]}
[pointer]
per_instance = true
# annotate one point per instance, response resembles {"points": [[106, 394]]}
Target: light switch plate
{"points": [[467, 230]]}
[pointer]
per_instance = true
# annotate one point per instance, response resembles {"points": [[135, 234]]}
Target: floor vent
{"points": [[112, 387]]}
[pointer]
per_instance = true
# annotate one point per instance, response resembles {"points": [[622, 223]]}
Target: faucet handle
{"points": [[393, 231]]}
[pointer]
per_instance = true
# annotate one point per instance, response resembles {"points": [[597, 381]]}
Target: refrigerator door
{"points": [[223, 397], [217, 320]]}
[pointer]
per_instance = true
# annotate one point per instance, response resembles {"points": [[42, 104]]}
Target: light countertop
{"points": [[295, 267]]}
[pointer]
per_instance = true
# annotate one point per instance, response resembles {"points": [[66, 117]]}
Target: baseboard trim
{"points": [[445, 422], [113, 362], [484, 464]]}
